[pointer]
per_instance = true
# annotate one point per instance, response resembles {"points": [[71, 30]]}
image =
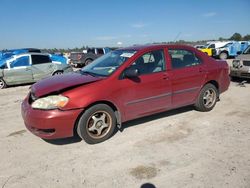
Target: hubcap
{"points": [[223, 56], [99, 124], [209, 98]]}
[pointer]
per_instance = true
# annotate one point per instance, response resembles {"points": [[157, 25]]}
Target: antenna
{"points": [[177, 36]]}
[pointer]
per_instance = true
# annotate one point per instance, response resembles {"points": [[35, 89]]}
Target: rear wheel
{"points": [[97, 124], [207, 98], [88, 61], [2, 83]]}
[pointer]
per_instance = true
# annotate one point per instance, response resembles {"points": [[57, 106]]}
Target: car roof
{"points": [[31, 53], [152, 46]]}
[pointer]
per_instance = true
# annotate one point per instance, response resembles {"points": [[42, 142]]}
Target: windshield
{"points": [[247, 51], [227, 45], [108, 63]]}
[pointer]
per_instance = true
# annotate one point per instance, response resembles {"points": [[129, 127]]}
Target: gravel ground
{"points": [[179, 148]]}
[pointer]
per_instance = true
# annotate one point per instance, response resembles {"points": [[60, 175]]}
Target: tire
{"points": [[57, 73], [97, 124], [88, 61], [223, 55], [207, 98], [2, 84]]}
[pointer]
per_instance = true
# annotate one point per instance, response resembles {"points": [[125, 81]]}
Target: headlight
{"points": [[236, 63], [50, 102]]}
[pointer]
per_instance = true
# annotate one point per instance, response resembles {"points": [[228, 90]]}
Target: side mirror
{"points": [[239, 52], [131, 72]]}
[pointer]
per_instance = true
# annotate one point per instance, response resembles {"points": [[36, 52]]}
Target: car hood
{"points": [[59, 83], [243, 56]]}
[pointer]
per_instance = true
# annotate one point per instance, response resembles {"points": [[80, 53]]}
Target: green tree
{"points": [[246, 37], [236, 36]]}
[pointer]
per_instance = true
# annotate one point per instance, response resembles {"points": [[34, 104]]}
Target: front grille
{"points": [[246, 63]]}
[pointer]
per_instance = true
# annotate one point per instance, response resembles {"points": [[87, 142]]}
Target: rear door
{"points": [[19, 71], [42, 66], [187, 76]]}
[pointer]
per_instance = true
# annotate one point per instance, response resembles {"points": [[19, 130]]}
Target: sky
{"points": [[100, 23]]}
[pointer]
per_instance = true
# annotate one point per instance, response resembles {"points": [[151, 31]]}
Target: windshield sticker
{"points": [[127, 54]]}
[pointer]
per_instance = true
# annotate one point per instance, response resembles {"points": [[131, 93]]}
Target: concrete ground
{"points": [[179, 148]]}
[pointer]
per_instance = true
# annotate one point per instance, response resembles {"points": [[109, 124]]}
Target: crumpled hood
{"points": [[61, 82]]}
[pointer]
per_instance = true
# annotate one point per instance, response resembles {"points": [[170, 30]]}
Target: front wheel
{"points": [[223, 55], [207, 98], [57, 73], [97, 124], [2, 83]]}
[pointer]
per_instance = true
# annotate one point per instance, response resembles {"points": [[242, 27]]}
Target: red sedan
{"points": [[122, 85]]}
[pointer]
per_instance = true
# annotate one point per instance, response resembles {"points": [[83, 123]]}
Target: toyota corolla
{"points": [[122, 85]]}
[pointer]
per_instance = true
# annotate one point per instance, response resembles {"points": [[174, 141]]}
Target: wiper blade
{"points": [[89, 73]]}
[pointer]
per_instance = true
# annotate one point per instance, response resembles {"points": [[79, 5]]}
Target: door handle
{"points": [[165, 77], [202, 70]]}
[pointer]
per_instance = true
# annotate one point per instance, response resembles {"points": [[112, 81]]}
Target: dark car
{"points": [[122, 85], [80, 59]]}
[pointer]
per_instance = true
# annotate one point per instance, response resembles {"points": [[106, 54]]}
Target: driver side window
{"points": [[150, 62]]}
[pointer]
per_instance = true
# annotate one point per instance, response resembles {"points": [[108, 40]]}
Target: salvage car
{"points": [[122, 85], [28, 68], [241, 65]]}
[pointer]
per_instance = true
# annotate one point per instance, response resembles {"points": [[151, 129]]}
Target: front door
{"points": [[150, 92]]}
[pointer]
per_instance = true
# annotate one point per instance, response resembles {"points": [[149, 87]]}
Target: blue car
{"points": [[8, 53], [4, 55]]}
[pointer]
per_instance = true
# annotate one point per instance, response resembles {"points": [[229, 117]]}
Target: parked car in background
{"points": [[122, 85], [241, 65], [28, 68], [56, 58], [210, 48], [231, 49], [80, 59]]}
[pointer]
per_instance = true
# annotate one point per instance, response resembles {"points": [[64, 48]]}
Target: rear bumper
{"points": [[49, 124]]}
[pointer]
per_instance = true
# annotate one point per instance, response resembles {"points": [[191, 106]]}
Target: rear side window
{"points": [[40, 59], [183, 58], [100, 51], [20, 62]]}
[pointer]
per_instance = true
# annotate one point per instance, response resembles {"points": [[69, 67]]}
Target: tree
{"points": [[246, 37], [236, 36]]}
